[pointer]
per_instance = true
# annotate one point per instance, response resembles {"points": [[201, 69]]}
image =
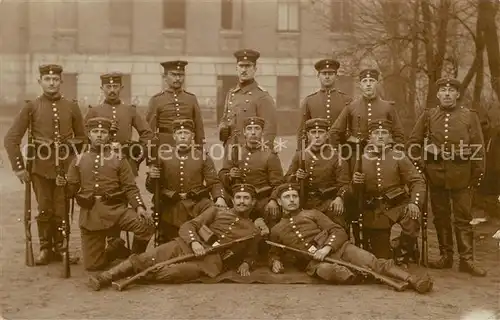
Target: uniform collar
{"points": [[247, 86], [113, 102], [174, 91], [450, 108], [376, 97], [378, 151], [329, 90]]}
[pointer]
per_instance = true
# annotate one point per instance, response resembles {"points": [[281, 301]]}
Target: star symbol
{"points": [[280, 144]]}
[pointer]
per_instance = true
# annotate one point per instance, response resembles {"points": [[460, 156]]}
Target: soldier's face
{"points": [[289, 200], [111, 90], [98, 136], [245, 70], [253, 133], [368, 86], [317, 137], [183, 137], [243, 202], [327, 77], [447, 96], [50, 83], [380, 137], [174, 79]]}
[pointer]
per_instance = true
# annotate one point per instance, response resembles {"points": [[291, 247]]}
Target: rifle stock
{"points": [[424, 260], [121, 285], [29, 259], [396, 284], [302, 165], [359, 190]]}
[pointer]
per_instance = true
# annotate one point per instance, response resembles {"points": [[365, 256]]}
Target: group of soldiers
{"points": [[352, 170]]}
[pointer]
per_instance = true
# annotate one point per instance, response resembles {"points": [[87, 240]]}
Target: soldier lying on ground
{"points": [[302, 229], [103, 184], [212, 227]]}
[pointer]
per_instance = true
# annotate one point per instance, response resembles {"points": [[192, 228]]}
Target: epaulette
{"points": [[159, 94], [261, 88], [189, 93], [341, 92]]}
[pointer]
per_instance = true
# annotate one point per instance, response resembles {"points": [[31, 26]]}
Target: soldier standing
{"points": [[55, 122], [124, 117], [326, 173], [255, 165], [174, 103], [357, 115], [103, 185], [312, 232], [187, 180], [450, 140], [327, 102], [386, 173], [214, 226], [247, 99]]}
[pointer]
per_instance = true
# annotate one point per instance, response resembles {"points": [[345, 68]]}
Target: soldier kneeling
{"points": [[104, 186]]}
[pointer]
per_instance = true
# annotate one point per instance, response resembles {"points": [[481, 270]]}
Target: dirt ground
{"points": [[40, 293]]}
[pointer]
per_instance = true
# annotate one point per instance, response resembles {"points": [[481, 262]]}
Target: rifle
{"points": [[302, 165], [424, 259], [396, 284], [359, 190], [65, 227], [122, 284], [30, 260], [157, 214]]}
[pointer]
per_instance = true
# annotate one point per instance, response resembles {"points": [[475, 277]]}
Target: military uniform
{"points": [[125, 117], [326, 103], [387, 173], [104, 187], [259, 166], [453, 159], [328, 175], [170, 105], [311, 230], [191, 172], [357, 115], [54, 120], [247, 99], [224, 225]]}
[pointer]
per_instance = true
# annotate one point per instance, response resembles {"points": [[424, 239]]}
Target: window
{"points": [[341, 16], [288, 16], [66, 15], [287, 95], [174, 14], [121, 14], [226, 15]]}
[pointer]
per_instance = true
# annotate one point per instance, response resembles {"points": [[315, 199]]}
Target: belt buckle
{"points": [[98, 197]]}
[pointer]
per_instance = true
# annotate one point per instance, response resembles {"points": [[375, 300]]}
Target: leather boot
{"points": [[464, 244], [445, 239], [139, 246], [104, 279], [406, 252], [116, 249], [58, 245], [45, 243], [421, 284]]}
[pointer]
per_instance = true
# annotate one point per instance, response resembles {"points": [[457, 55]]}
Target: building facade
{"points": [[133, 36]]}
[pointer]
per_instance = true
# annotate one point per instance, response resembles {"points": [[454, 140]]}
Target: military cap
{"points": [[98, 122], [179, 124], [286, 187], [174, 65], [247, 55], [317, 123], [380, 124], [254, 120], [327, 64], [369, 73], [448, 82], [50, 69], [112, 77], [244, 187]]}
